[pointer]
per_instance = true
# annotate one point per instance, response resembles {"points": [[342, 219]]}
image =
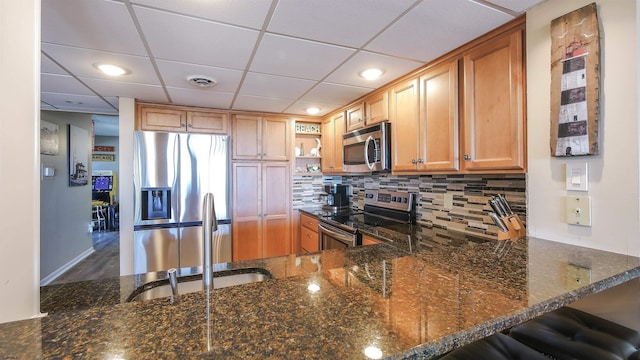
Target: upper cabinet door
{"points": [[207, 122], [376, 108], [494, 120], [355, 118], [333, 127], [247, 137], [438, 150], [405, 126], [154, 118], [276, 139]]}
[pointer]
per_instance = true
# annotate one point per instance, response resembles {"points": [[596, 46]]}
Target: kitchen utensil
{"points": [[499, 223]]}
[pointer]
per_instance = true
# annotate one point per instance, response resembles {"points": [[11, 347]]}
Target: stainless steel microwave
{"points": [[367, 149]]}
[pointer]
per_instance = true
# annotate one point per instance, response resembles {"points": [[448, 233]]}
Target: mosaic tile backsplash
{"points": [[470, 193]]}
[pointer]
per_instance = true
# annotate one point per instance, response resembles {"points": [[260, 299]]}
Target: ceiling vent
{"points": [[201, 80]]}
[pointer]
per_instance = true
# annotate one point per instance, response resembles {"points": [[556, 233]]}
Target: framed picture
{"points": [[49, 141], [78, 156]]}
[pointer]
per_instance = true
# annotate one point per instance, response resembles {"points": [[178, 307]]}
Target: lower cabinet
{"points": [[309, 241], [261, 204]]}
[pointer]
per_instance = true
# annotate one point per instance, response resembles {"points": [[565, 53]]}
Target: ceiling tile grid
{"points": [[265, 55]]}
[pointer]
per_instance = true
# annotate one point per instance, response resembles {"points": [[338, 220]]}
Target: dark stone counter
{"points": [[418, 294]]}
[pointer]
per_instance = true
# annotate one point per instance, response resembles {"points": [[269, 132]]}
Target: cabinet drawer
{"points": [[310, 222], [309, 240]]}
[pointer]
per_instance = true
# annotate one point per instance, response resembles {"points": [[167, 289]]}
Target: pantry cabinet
{"points": [[333, 127], [261, 201], [260, 138], [157, 117], [494, 113]]}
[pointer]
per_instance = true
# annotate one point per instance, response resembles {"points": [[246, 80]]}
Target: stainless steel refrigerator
{"points": [[172, 173]]}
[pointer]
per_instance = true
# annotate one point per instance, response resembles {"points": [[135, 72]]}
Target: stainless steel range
{"points": [[382, 208]]}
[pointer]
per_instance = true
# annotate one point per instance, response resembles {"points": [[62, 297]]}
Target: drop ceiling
{"points": [[279, 56]]}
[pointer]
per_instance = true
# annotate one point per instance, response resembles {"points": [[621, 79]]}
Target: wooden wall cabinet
{"points": [[333, 127], [405, 126], [494, 120], [261, 226], [355, 117], [260, 138], [309, 240], [157, 117], [376, 108]]}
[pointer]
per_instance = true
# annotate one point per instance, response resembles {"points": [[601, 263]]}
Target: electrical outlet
{"points": [[577, 277], [578, 210]]}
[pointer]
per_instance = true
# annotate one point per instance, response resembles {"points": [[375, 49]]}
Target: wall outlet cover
{"points": [[578, 210]]}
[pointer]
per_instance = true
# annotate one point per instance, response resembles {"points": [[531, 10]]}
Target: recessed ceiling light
{"points": [[313, 110], [110, 69], [371, 74], [201, 80]]}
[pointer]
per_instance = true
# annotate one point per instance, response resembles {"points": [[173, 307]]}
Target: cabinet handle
{"points": [[413, 161], [420, 161], [183, 125], [467, 157], [190, 125]]}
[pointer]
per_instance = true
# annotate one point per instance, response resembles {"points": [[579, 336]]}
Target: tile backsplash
{"points": [[470, 194]]}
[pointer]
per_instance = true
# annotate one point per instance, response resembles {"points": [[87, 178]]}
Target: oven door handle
{"points": [[336, 234], [366, 151]]}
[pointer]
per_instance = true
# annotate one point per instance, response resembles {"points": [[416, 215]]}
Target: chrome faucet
{"points": [[209, 225]]}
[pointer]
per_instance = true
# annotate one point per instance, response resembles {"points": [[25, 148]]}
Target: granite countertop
{"points": [[420, 293]]}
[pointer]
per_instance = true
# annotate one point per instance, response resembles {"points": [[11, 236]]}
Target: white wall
{"points": [[19, 154], [125, 187], [613, 175]]}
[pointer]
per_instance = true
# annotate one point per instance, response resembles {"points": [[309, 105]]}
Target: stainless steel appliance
{"points": [[172, 173], [382, 208], [367, 149]]}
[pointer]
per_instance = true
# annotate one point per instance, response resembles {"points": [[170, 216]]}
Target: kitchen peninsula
{"points": [[419, 293]]}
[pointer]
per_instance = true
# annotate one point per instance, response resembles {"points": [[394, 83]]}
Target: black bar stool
{"points": [[495, 347], [568, 333]]}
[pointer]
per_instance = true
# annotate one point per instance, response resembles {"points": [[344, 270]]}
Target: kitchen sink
{"points": [[193, 283]]}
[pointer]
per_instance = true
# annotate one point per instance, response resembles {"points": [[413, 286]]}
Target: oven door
{"points": [[332, 237]]}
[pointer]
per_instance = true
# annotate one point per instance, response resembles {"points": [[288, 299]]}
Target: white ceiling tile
{"points": [[516, 5], [132, 90], [436, 27], [62, 84], [278, 87], [175, 74], [189, 40], [93, 24], [246, 102], [349, 73], [280, 55], [76, 101], [200, 97], [250, 13], [45, 106], [80, 62], [335, 21], [334, 93], [49, 67], [300, 107]]}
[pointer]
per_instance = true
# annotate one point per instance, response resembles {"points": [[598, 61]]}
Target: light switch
{"points": [[577, 176], [578, 210]]}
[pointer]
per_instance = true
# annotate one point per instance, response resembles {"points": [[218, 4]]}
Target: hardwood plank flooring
{"points": [[103, 263]]}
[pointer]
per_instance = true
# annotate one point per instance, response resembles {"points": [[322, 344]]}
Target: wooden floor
{"points": [[103, 263]]}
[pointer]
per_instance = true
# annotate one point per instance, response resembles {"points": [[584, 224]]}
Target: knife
{"points": [[499, 203], [505, 204], [498, 222], [494, 205]]}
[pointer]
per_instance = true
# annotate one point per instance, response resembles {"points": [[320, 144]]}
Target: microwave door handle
{"points": [[366, 151]]}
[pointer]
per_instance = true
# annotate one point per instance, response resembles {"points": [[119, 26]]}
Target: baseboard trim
{"points": [[54, 275]]}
